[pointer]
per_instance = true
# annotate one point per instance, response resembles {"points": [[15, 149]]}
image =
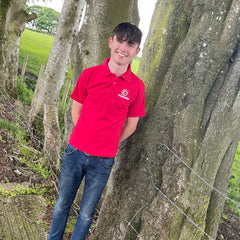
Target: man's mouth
{"points": [[121, 54]]}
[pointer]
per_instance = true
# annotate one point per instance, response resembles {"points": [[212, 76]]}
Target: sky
{"points": [[145, 7]]}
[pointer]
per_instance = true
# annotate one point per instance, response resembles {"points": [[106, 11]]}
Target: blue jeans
{"points": [[76, 165]]}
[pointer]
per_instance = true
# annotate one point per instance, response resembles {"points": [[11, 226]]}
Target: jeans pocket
{"points": [[107, 162], [70, 149]]}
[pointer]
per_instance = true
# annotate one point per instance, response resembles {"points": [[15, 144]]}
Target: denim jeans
{"points": [[76, 165]]}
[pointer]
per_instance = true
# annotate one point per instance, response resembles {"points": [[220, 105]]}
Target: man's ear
{"points": [[137, 51], [110, 42]]}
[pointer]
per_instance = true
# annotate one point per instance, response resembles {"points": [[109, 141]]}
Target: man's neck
{"points": [[117, 69]]}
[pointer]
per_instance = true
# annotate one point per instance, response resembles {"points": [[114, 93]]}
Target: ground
{"points": [[12, 170], [229, 227]]}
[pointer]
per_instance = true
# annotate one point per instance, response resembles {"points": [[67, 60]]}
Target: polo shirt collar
{"points": [[107, 72]]}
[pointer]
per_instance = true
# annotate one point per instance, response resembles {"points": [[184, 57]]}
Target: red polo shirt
{"points": [[107, 102]]}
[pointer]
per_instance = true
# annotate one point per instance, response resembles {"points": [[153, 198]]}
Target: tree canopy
{"points": [[47, 18]]}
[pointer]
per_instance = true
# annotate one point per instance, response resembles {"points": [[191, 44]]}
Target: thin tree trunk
{"points": [[52, 140], [190, 66], [36, 93], [48, 91], [58, 62]]}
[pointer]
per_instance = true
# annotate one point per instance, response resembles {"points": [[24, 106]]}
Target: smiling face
{"points": [[122, 52]]}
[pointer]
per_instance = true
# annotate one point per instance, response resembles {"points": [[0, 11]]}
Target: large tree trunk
{"points": [[48, 90], [12, 23], [191, 68], [90, 47]]}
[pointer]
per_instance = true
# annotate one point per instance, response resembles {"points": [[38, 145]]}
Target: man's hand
{"points": [[129, 128]]}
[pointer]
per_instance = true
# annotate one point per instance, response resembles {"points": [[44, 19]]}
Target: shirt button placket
{"points": [[114, 83]]}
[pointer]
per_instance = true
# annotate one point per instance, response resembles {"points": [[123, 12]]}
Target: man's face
{"points": [[122, 52]]}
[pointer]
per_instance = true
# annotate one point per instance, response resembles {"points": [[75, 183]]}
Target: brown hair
{"points": [[127, 31]]}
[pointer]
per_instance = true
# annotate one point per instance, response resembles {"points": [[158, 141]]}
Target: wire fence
{"points": [[22, 123], [229, 235]]}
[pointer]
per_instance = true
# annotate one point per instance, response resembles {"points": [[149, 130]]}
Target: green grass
{"points": [[37, 46], [234, 183], [24, 94]]}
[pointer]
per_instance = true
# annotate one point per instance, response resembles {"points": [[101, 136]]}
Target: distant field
{"points": [[38, 46]]}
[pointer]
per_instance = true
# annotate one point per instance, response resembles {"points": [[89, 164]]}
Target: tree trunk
{"points": [[12, 23], [52, 140], [191, 67], [48, 91], [58, 61], [90, 47]]}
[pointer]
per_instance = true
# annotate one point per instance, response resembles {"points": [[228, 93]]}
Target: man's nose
{"points": [[124, 46]]}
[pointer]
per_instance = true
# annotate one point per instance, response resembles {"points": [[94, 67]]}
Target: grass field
{"points": [[37, 46]]}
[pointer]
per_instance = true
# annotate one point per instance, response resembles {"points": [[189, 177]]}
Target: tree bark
{"points": [[58, 61], [190, 66], [48, 90], [12, 24], [52, 140], [90, 47]]}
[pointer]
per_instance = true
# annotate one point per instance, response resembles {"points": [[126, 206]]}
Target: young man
{"points": [[107, 102]]}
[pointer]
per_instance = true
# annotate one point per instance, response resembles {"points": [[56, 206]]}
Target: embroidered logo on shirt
{"points": [[124, 94]]}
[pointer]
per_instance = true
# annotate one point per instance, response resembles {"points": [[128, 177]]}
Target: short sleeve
{"points": [[80, 91], [137, 109]]}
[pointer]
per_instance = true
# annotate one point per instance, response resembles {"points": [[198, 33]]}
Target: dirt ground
{"points": [[12, 170]]}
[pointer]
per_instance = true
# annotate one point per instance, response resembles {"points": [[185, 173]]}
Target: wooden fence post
{"points": [[24, 68], [40, 75]]}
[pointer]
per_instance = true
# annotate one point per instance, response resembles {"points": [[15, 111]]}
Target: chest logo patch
{"points": [[124, 94]]}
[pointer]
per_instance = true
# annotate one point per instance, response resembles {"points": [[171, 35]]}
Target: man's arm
{"points": [[129, 128], [76, 111]]}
